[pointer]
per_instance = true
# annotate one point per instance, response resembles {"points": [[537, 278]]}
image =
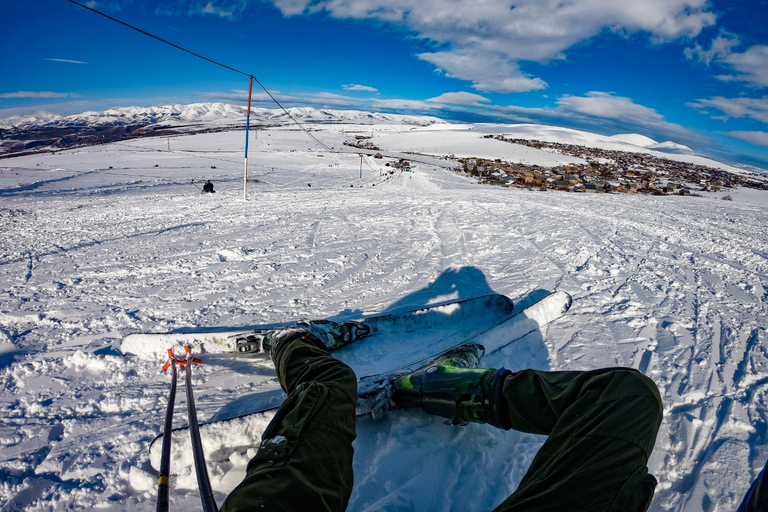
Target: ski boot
{"points": [[335, 335], [453, 387]]}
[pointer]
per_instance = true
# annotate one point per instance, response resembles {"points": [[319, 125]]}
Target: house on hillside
{"points": [[591, 188]]}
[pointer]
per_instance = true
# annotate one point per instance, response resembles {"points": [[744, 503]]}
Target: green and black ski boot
{"points": [[453, 387]]}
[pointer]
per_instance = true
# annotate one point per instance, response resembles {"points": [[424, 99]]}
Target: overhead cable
{"points": [[212, 61]]}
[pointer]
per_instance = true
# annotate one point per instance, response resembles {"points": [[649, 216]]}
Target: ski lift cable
{"points": [[160, 38], [103, 172], [193, 153], [212, 61]]}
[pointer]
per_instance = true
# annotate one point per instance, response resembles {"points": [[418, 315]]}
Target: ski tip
{"points": [[567, 300]]}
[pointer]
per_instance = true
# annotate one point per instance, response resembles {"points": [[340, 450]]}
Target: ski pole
{"points": [[203, 482], [163, 482]]}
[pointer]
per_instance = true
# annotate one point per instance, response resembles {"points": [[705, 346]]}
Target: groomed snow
{"points": [[103, 241]]}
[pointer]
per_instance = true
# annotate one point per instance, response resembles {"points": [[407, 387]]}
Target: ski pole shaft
{"points": [[163, 482], [203, 482]]}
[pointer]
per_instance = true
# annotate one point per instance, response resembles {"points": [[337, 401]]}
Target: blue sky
{"points": [[691, 71]]}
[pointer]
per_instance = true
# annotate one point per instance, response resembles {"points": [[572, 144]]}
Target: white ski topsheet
{"points": [[240, 435], [539, 310], [156, 344], [451, 322], [412, 336]]}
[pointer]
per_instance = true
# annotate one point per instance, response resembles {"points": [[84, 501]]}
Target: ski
{"points": [[243, 432], [372, 388], [489, 310]]}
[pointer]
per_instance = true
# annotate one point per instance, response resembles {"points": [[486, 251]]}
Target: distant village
{"points": [[608, 171]]}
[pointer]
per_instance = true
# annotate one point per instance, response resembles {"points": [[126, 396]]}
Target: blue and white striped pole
{"points": [[247, 129]]}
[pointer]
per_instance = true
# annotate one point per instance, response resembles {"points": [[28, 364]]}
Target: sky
{"points": [[691, 71]]}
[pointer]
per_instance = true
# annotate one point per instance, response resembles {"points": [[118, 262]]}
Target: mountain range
{"points": [[208, 113], [23, 135]]}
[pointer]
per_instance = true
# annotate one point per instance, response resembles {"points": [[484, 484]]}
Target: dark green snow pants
{"points": [[601, 425], [304, 461]]}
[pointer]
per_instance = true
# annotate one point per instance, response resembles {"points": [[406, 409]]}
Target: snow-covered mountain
{"points": [[209, 113], [647, 142], [630, 142]]}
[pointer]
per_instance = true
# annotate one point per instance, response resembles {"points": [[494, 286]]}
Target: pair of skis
{"points": [[163, 482], [415, 337]]}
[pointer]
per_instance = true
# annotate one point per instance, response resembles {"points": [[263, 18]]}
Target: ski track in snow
{"points": [[103, 241]]}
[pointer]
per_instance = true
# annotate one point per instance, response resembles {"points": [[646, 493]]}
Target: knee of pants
{"points": [[299, 362], [315, 409], [630, 394], [626, 382], [305, 459]]}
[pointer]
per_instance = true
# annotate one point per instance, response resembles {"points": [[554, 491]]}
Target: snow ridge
{"points": [[211, 113]]}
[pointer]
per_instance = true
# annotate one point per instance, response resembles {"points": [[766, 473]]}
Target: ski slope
{"points": [[103, 241]]}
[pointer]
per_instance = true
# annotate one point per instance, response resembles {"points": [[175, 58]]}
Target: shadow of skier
{"points": [[451, 284], [420, 442]]}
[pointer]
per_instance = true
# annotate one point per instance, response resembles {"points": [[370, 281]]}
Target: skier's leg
{"points": [[305, 458], [601, 425], [756, 499]]}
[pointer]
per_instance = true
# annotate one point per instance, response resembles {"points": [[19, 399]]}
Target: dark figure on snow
{"points": [[208, 187], [601, 424], [756, 499]]}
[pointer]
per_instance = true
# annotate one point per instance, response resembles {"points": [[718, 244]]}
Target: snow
{"points": [[103, 241], [632, 143], [208, 114], [635, 139]]}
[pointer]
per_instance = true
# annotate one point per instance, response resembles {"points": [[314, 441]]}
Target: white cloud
{"points": [[329, 98], [754, 108], [38, 94], [598, 111], [404, 105], [720, 47], [757, 138], [68, 61], [483, 41], [607, 111], [750, 66], [487, 72], [358, 87], [460, 98], [228, 9], [291, 7], [235, 95], [318, 99], [222, 12], [608, 106]]}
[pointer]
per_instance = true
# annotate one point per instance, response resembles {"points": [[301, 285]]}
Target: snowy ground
{"points": [[105, 241]]}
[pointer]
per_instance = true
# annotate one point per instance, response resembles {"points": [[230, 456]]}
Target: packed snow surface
{"points": [[100, 242]]}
